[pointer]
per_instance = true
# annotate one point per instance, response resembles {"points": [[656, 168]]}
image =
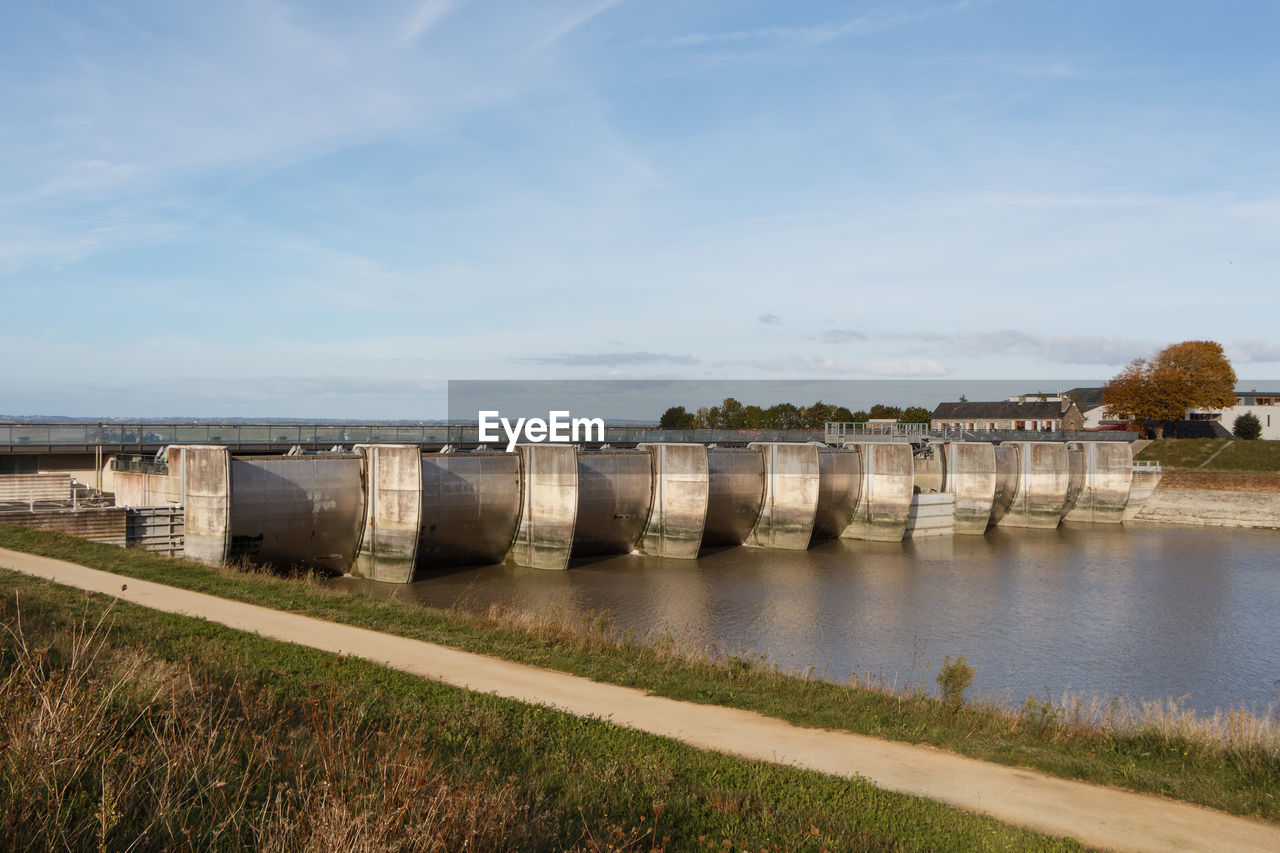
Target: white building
{"points": [[1264, 404]]}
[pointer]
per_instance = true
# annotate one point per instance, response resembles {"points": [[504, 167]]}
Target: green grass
{"points": [[1162, 755], [110, 749], [1241, 457], [1248, 457], [1180, 452]]}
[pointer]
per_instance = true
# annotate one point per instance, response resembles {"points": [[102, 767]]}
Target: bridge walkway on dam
{"points": [[143, 437], [1097, 816]]}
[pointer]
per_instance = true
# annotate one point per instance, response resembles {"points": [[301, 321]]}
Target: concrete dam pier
{"points": [[386, 511]]}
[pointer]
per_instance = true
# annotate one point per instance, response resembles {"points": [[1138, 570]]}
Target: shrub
{"points": [[954, 678], [1247, 427]]}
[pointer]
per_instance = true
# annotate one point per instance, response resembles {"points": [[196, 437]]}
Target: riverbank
{"points": [[1219, 499], [1220, 455], [125, 726], [1168, 753], [1214, 481]]}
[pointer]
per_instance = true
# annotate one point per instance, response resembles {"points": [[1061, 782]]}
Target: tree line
{"points": [[732, 414]]}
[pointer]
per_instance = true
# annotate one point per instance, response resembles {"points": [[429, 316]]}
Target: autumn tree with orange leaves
{"points": [[1189, 375]]}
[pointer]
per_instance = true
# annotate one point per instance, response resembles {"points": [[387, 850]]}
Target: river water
{"points": [[1136, 611]]}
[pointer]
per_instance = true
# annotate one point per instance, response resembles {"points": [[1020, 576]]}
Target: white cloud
{"points": [[426, 17], [1054, 348], [907, 367], [841, 336], [1253, 350], [824, 32], [575, 20]]}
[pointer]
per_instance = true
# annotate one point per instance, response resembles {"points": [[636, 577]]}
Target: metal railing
{"points": [[156, 435], [837, 432], [139, 464]]}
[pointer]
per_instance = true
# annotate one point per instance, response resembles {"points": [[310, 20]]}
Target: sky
{"points": [[309, 209]]}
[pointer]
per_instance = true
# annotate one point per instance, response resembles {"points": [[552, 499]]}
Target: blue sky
{"points": [[328, 209]]}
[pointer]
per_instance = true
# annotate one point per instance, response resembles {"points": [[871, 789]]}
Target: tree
{"points": [[730, 414], [1200, 373], [782, 416], [880, 410], [817, 415], [1189, 375], [1247, 427], [676, 418], [915, 415]]}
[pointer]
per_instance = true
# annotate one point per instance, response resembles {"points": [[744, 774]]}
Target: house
{"points": [[1040, 412], [1264, 404], [1091, 409]]}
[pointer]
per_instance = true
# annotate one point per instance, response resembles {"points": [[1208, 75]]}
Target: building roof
{"points": [[998, 409], [1086, 398]]}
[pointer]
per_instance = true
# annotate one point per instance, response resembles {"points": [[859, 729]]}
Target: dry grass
{"points": [[1236, 732], [1242, 735], [115, 749]]}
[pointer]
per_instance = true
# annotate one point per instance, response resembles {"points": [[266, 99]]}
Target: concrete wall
{"points": [[1108, 479], [136, 489], [470, 508], [392, 477], [931, 514], [549, 506], [680, 492], [108, 525], [615, 493], [735, 495], [296, 511], [1008, 473], [791, 480], [888, 483], [971, 476], [24, 488], [931, 472], [839, 488], [1044, 478], [207, 501], [1076, 464], [1141, 489]]}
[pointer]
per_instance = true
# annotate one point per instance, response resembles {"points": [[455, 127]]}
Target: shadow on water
{"points": [[1139, 612]]}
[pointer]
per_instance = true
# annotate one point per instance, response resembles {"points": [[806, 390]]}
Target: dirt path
{"points": [[1097, 816]]}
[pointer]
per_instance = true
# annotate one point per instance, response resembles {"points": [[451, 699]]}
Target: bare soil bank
{"points": [[1222, 500], [1219, 481]]}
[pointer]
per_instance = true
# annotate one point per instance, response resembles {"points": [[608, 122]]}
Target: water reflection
{"points": [[1135, 612]]}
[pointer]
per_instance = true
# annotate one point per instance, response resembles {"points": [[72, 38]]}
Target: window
{"points": [[991, 426], [1020, 425]]}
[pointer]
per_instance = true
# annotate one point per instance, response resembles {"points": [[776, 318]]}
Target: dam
{"points": [[385, 511]]}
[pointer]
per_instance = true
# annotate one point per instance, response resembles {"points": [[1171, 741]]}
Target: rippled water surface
{"points": [[1139, 612]]}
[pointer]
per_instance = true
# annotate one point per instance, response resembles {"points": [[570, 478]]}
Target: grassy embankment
{"points": [[1230, 761], [123, 728], [1241, 457]]}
